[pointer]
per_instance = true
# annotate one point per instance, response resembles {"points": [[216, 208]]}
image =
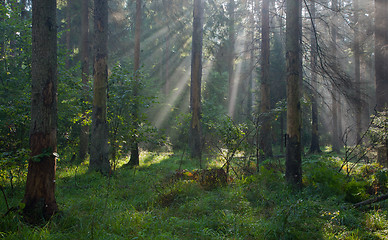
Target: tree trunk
{"points": [[196, 76], [68, 32], [134, 161], [251, 62], [230, 49], [99, 134], [314, 147], [335, 137], [357, 70], [265, 106], [381, 70], [84, 136], [293, 138], [39, 197]]}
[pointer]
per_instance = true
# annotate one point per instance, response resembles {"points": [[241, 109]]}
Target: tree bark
{"points": [[293, 138], [99, 133], [381, 70], [265, 105], [314, 147], [39, 196], [84, 136], [196, 76], [134, 160]]}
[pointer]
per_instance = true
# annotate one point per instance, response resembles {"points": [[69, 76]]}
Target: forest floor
{"points": [[160, 200]]}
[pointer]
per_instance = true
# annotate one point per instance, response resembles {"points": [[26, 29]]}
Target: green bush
{"points": [[356, 191], [323, 178]]}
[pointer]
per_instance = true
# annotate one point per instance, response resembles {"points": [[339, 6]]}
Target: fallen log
{"points": [[370, 201]]}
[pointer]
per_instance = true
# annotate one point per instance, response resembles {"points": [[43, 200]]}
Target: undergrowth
{"points": [[164, 199]]}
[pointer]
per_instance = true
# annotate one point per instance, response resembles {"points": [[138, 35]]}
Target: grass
{"points": [[148, 203]]}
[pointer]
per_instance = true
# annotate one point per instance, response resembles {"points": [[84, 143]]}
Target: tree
{"points": [[293, 138], [335, 137], [39, 196], [84, 136], [381, 70], [196, 76], [231, 49], [99, 134], [265, 105], [357, 67], [314, 147], [134, 161]]}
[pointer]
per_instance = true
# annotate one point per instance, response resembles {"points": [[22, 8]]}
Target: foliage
{"points": [[15, 58], [227, 138], [122, 104], [378, 131]]}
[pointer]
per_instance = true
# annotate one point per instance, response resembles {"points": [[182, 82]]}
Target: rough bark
{"points": [[265, 105], [381, 70], [134, 160], [314, 147], [39, 196], [293, 139], [196, 76], [84, 136], [99, 133]]}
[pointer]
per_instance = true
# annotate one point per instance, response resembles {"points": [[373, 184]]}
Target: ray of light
{"points": [[239, 46], [184, 75]]}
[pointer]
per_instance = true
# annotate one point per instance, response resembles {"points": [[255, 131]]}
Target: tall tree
{"points": [[39, 196], [196, 76], [134, 161], [335, 137], [265, 105], [357, 67], [381, 70], [293, 138], [84, 136], [99, 134], [231, 54], [314, 147]]}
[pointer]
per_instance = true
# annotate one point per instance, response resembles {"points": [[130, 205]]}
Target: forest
{"points": [[194, 119]]}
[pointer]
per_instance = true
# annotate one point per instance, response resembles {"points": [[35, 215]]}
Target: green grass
{"points": [[148, 203]]}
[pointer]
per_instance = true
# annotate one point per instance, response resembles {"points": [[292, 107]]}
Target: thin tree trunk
{"points": [[335, 139], [68, 32], [166, 62], [314, 147], [99, 160], [84, 136], [293, 139], [357, 69], [251, 62], [39, 196], [231, 50], [134, 161], [265, 106], [196, 76]]}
